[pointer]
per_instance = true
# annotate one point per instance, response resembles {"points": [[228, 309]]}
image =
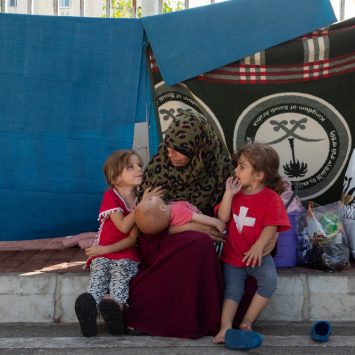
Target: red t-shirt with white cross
{"points": [[249, 215], [108, 233]]}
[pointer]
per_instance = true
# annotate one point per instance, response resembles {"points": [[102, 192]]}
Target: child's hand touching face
{"points": [[158, 192], [233, 186]]}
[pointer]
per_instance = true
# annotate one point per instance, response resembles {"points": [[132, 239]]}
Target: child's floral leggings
{"points": [[112, 276]]}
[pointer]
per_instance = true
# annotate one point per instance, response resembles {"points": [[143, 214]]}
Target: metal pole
{"points": [[29, 8], [187, 4], [56, 7], [160, 6], [108, 8], [34, 10], [134, 9], [342, 10], [82, 8]]}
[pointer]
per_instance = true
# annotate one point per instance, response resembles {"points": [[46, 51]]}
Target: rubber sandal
{"points": [[134, 332], [112, 315], [85, 309], [320, 331], [242, 339]]}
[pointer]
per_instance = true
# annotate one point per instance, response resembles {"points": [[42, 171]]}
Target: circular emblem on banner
{"points": [[311, 137], [177, 98]]}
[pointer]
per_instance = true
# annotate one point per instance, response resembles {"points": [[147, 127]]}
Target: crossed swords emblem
{"points": [[170, 114], [291, 132], [293, 168]]}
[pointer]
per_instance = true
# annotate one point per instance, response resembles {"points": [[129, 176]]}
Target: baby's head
{"points": [[152, 216]]}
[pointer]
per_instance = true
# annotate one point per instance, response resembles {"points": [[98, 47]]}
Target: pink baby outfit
{"points": [[181, 212], [108, 233]]}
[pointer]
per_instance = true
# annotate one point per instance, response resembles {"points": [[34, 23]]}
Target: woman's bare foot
{"points": [[219, 338]]}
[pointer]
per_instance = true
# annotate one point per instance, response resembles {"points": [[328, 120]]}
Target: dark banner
{"points": [[298, 97]]}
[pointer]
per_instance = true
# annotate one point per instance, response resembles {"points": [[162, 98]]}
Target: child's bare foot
{"points": [[245, 326], [219, 338], [108, 297]]}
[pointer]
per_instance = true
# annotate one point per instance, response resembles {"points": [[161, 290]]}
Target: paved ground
{"points": [[49, 256], [279, 338]]}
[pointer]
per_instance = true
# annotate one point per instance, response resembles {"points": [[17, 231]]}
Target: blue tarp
{"points": [[68, 98], [71, 90], [194, 41]]}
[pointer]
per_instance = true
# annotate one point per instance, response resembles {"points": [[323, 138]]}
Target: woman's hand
{"points": [[198, 227], [271, 245], [233, 186], [96, 250], [156, 192]]}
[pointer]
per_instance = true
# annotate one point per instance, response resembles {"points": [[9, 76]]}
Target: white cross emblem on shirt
{"points": [[242, 220]]}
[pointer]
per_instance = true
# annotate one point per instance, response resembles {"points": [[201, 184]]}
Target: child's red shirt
{"points": [[249, 215], [108, 233]]}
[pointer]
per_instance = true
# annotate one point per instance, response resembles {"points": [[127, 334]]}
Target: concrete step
{"points": [[40, 280]]}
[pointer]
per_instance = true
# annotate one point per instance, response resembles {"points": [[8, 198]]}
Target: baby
{"points": [[154, 215]]}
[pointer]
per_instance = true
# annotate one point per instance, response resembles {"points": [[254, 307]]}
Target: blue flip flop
{"points": [[320, 331], [242, 339]]}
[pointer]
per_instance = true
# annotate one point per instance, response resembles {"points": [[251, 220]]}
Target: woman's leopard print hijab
{"points": [[202, 181]]}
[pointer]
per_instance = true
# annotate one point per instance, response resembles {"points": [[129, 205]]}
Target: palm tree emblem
{"points": [[294, 168]]}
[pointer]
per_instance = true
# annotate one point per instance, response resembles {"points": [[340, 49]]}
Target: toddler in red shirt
{"points": [[114, 260], [254, 211], [154, 215]]}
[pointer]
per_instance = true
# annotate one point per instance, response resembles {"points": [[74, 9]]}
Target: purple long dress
{"points": [[178, 291]]}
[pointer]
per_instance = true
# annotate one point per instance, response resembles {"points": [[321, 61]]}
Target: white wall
{"points": [[94, 8], [21, 8]]}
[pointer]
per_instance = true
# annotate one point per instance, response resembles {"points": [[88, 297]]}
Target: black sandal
{"points": [[85, 309], [134, 332], [112, 314]]}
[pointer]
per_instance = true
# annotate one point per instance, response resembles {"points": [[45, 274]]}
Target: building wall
{"points": [[74, 9], [21, 8], [93, 8]]}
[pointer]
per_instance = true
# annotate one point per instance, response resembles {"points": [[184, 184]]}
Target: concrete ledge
{"points": [[50, 297]]}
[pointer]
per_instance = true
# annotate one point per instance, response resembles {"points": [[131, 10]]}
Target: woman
{"points": [[178, 291]]}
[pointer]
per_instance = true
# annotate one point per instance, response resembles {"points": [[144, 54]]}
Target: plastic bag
{"points": [[348, 200], [322, 242]]}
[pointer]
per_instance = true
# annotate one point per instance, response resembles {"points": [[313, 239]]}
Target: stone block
{"points": [[72, 285], [328, 283], [287, 302], [332, 297], [27, 297]]}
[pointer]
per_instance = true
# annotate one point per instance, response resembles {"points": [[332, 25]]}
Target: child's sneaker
{"points": [[112, 314], [85, 309]]}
